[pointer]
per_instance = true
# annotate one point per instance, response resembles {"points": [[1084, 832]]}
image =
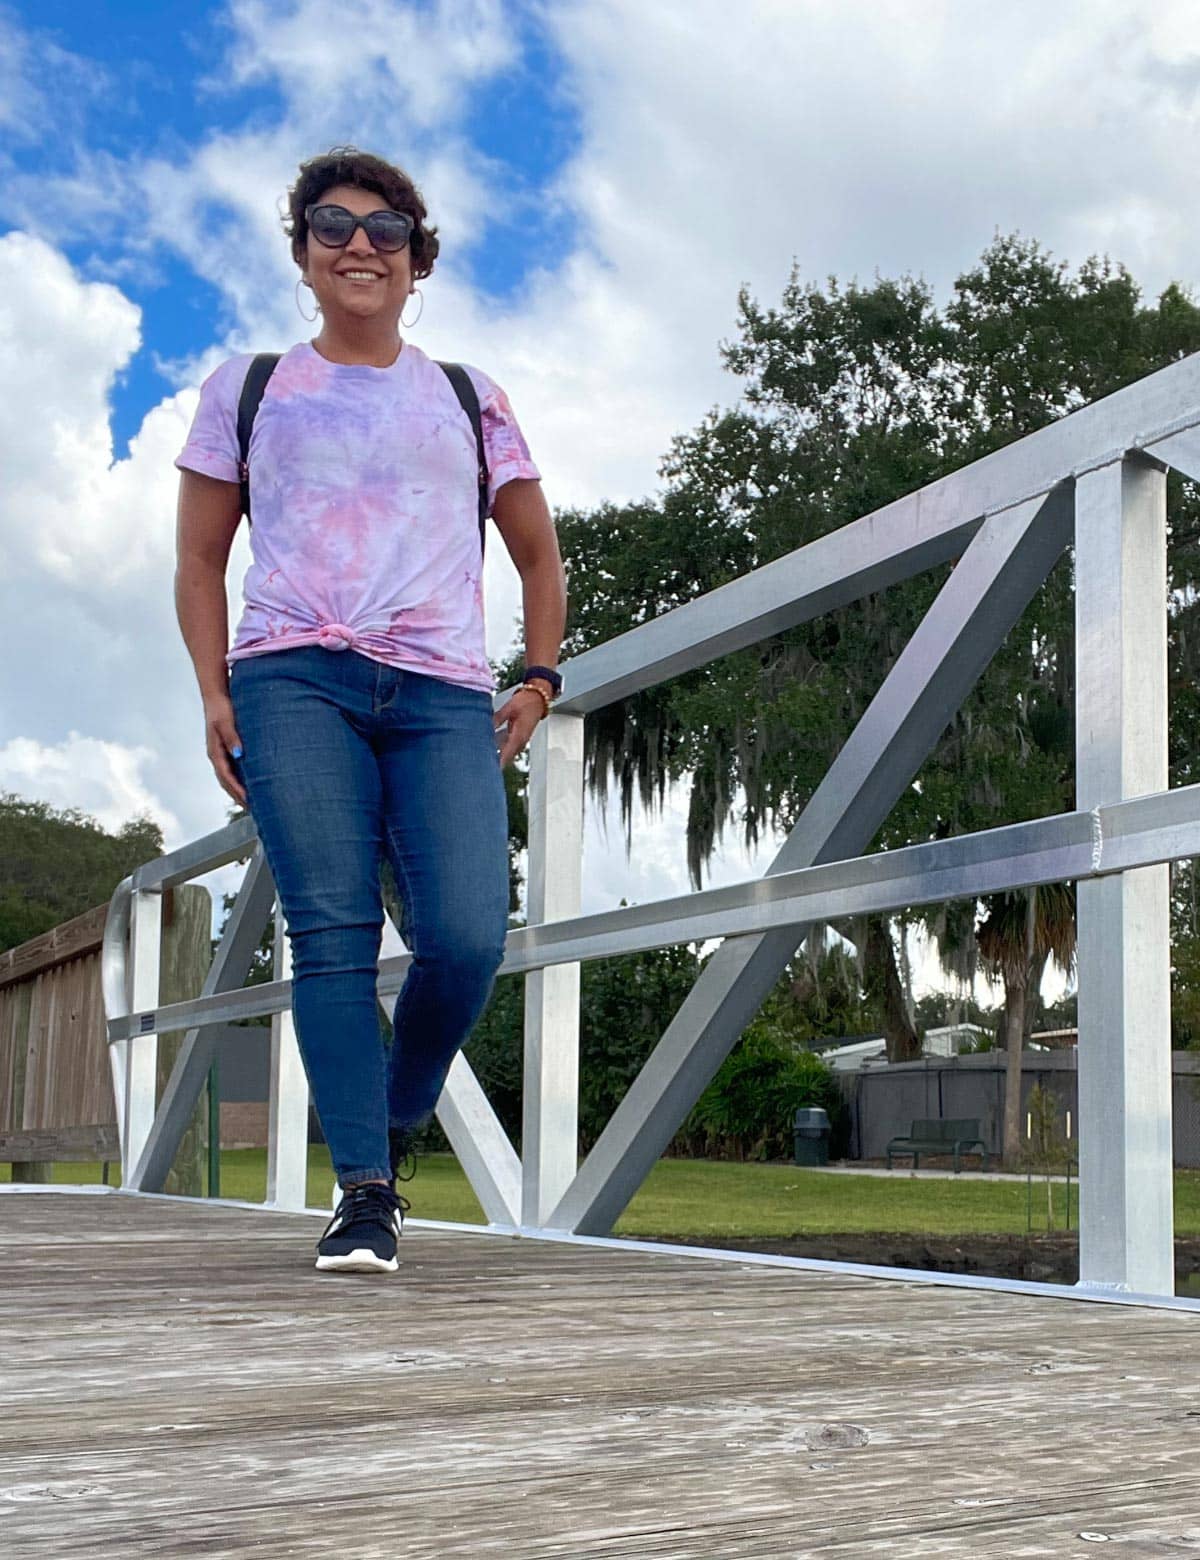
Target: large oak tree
{"points": [[851, 396]]}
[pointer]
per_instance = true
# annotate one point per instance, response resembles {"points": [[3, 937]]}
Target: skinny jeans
{"points": [[346, 762]]}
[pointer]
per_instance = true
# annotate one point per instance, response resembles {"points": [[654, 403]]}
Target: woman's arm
{"points": [[209, 512], [523, 519]]}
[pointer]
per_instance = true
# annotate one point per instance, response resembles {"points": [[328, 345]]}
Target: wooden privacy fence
{"points": [[54, 1069], [56, 1093]]}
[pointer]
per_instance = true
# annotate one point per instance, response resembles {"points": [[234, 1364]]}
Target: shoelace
{"points": [[403, 1154], [360, 1201]]}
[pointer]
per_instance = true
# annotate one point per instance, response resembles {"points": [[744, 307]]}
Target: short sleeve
{"points": [[504, 444], [212, 447]]}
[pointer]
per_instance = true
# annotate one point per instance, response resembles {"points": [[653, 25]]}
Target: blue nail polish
{"points": [[236, 752]]}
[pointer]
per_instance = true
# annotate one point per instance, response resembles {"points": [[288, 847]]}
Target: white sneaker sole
{"points": [[361, 1260]]}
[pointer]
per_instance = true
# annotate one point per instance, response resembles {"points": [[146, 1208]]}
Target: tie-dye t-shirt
{"points": [[364, 491]]}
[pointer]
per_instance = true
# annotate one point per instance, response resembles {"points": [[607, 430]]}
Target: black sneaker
{"points": [[361, 1236]]}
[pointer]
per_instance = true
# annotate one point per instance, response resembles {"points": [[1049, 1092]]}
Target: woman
{"points": [[353, 715]]}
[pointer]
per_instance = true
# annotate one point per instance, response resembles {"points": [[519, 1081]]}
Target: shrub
{"points": [[626, 1003], [747, 1110]]}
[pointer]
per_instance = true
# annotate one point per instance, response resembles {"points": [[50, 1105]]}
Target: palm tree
{"points": [[1019, 934]]}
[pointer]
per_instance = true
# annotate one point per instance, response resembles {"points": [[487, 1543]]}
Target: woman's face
{"points": [[358, 280]]}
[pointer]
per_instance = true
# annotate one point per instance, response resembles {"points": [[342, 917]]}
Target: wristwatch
{"points": [[545, 674]]}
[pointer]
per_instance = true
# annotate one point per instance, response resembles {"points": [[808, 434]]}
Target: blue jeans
{"points": [[346, 761]]}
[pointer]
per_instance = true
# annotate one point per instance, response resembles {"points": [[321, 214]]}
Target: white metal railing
{"points": [[1096, 477]]}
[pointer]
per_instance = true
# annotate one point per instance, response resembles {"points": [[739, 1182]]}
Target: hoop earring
{"points": [[408, 324], [307, 318]]}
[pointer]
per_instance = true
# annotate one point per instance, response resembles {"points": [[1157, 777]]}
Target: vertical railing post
{"points": [[1126, 1224], [550, 1116], [287, 1123], [139, 1064]]}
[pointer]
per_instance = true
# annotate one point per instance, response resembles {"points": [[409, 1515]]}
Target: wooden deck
{"points": [[177, 1380]]}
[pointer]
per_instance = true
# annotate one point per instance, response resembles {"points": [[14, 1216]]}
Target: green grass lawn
{"points": [[707, 1198]]}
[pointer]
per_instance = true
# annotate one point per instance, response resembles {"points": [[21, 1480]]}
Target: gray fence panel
{"points": [[890, 1100], [1185, 1108], [885, 1101], [976, 1092], [243, 1056]]}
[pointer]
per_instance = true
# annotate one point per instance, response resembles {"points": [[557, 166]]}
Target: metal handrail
{"points": [[903, 538], [1071, 847]]}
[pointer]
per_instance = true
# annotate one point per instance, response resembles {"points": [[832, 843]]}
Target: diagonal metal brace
{"points": [[1005, 564], [480, 1143], [230, 966]]}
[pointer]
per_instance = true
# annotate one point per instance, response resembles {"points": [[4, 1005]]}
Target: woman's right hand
{"points": [[209, 514], [224, 745]]}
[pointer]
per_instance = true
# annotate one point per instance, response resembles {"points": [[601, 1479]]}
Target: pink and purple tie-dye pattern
{"points": [[363, 484]]}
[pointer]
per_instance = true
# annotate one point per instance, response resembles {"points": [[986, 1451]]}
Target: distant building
{"points": [[851, 1054], [953, 1039], [1054, 1040], [854, 1052]]}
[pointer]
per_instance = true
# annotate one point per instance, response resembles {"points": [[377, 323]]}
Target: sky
{"points": [[605, 175]]}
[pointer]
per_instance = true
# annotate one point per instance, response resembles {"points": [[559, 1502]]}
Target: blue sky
{"points": [[605, 175], [145, 80], [139, 86]]}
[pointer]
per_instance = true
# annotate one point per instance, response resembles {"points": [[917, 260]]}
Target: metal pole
{"points": [[287, 1124], [550, 1119], [140, 1062], [1126, 1216], [214, 1129]]}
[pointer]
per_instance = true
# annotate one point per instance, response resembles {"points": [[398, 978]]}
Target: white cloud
{"points": [[103, 779], [714, 146], [31, 66], [19, 102], [97, 707], [401, 61], [656, 867], [67, 512], [848, 138]]}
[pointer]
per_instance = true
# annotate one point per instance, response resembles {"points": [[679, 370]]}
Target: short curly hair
{"points": [[365, 171]]}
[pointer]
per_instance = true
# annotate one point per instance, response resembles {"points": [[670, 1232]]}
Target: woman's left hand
{"points": [[519, 715]]}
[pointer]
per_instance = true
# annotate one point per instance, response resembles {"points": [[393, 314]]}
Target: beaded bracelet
{"points": [[533, 688]]}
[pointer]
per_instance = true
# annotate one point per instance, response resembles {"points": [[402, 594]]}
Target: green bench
{"points": [[937, 1136]]}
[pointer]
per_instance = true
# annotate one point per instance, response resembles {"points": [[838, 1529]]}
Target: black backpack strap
{"points": [[260, 370], [460, 380]]}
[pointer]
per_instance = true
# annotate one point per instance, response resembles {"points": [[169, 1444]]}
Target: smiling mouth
{"points": [[362, 276]]}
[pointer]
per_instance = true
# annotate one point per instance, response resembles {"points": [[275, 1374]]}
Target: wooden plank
{"points": [[7, 1025], [23, 1058], [50, 1144], [64, 1096], [97, 1102], [38, 1051], [65, 1078], [82, 935], [191, 1385], [185, 960], [63, 1081], [14, 1030], [54, 1067]]}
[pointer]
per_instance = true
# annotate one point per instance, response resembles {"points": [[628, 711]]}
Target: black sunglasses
{"points": [[334, 227]]}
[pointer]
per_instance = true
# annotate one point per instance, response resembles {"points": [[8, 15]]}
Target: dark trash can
{"points": [[810, 1136]]}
